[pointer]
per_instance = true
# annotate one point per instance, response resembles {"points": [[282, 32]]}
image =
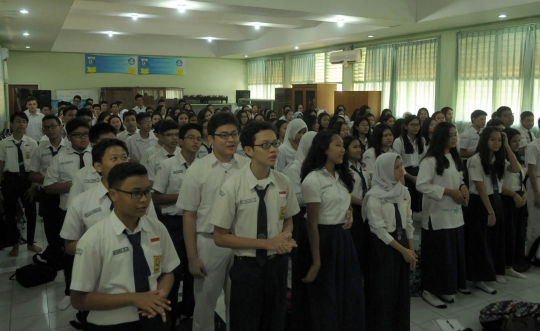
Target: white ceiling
{"points": [[83, 26]]}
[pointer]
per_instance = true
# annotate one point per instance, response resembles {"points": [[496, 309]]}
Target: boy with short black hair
{"points": [[129, 118], [139, 107], [86, 115], [169, 134], [144, 139], [76, 100], [259, 273], [15, 156], [527, 136], [504, 113], [104, 106], [469, 139], [123, 264], [33, 130]]}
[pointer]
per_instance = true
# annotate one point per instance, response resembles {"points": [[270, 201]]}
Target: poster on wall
{"points": [[110, 64], [161, 66]]}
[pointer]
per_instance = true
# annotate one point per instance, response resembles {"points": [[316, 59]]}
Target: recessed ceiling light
{"points": [[245, 56], [257, 26], [341, 22], [209, 39], [182, 7], [27, 46], [502, 16], [370, 36], [111, 33], [26, 34], [296, 47], [23, 11], [134, 16]]}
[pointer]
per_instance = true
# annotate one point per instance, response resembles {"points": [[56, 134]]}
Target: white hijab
{"points": [[383, 184], [292, 130], [320, 112], [304, 146]]}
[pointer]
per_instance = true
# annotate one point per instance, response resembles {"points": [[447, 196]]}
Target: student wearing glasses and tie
{"points": [[15, 155], [168, 181], [168, 131], [123, 264], [259, 272], [59, 178], [209, 263]]}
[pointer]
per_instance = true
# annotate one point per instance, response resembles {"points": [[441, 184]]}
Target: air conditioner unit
{"points": [[349, 56], [4, 54]]}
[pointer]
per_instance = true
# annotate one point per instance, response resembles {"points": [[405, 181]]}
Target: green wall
{"points": [[60, 71]]}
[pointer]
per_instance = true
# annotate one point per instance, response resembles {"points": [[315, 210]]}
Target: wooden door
{"points": [[17, 95]]}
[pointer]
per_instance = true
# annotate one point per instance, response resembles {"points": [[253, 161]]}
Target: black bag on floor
{"points": [[521, 324], [34, 274], [495, 315]]}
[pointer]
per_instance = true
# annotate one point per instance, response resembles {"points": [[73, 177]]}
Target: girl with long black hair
{"points": [[381, 142], [360, 130]]}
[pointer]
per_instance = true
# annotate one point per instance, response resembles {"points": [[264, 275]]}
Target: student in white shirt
{"points": [[129, 118], [206, 146], [411, 147], [259, 272], [360, 129], [287, 151], [139, 108], [381, 142], [35, 117], [88, 177], [532, 158], [157, 145], [440, 180], [15, 155], [330, 285], [85, 114], [168, 181], [41, 159], [427, 129], [169, 134], [123, 264], [527, 136], [469, 139], [140, 142], [484, 223], [386, 206], [208, 263], [514, 197]]}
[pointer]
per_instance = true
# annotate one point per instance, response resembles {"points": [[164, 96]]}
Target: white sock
{"points": [[500, 279], [447, 298], [433, 300], [485, 288], [512, 273]]}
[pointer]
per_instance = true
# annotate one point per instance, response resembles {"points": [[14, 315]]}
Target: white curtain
{"points": [[303, 69], [264, 76]]}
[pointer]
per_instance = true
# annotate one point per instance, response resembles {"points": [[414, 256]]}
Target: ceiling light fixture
{"points": [[245, 56], [502, 16], [134, 16], [209, 39], [257, 26], [370, 36], [27, 46], [182, 8], [26, 34], [111, 33], [23, 11], [296, 47], [340, 22]]}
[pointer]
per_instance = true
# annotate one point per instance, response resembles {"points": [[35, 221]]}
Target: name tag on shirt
{"points": [[121, 250], [248, 201], [178, 172], [93, 211], [66, 162], [95, 180]]}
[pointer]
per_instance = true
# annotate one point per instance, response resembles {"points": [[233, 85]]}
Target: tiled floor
{"points": [[34, 309]]}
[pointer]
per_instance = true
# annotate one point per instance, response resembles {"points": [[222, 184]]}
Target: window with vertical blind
{"points": [[359, 70], [315, 68], [264, 76]]}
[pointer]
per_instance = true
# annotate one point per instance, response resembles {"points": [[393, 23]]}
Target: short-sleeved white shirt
{"points": [[149, 152], [469, 140], [477, 174], [139, 110], [155, 160], [88, 208], [35, 123], [532, 154], [357, 191], [204, 150], [321, 187], [382, 217], [42, 156], [513, 181], [137, 145], [124, 135], [201, 186], [237, 206], [9, 153], [409, 160], [169, 177], [62, 169], [293, 171], [84, 179], [525, 139], [369, 159], [104, 263]]}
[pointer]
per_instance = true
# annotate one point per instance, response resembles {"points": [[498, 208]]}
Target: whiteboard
{"points": [[68, 95]]}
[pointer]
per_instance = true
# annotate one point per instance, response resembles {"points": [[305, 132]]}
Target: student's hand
{"points": [[413, 179], [29, 194], [465, 191], [457, 196], [197, 268], [311, 274], [492, 220], [349, 219], [287, 248], [280, 241], [505, 139], [152, 303], [410, 257], [518, 200]]}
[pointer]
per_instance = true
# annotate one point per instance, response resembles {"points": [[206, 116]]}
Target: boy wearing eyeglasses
{"points": [[123, 264], [59, 177], [168, 131], [253, 216], [168, 181], [208, 263], [144, 139]]}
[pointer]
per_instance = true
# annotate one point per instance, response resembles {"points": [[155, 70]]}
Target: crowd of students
{"points": [[137, 202]]}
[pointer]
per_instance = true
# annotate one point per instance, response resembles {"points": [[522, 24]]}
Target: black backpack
{"points": [[34, 274]]}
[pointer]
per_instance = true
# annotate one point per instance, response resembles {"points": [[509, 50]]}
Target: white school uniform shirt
{"points": [[525, 139], [409, 160], [169, 177], [42, 156], [104, 263], [45, 139], [237, 206], [511, 180], [293, 171], [357, 191], [382, 217], [87, 209], [201, 185], [35, 123], [149, 152], [124, 135], [321, 187], [476, 173], [10, 155], [84, 179], [532, 154], [63, 167], [155, 160], [203, 150], [444, 212], [139, 110], [469, 140], [137, 145], [369, 158], [286, 156]]}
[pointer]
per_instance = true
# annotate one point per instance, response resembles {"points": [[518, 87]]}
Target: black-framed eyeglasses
{"points": [[199, 139], [138, 194], [80, 134], [276, 144], [226, 136], [50, 127]]}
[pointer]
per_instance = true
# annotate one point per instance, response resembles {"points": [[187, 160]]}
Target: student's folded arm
{"points": [[36, 177], [100, 301], [165, 283]]}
